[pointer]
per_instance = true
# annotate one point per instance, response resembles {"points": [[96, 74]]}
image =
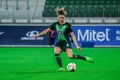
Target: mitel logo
{"points": [[30, 34], [118, 35], [92, 35], [1, 33]]}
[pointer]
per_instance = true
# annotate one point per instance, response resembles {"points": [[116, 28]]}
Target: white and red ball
{"points": [[71, 67]]}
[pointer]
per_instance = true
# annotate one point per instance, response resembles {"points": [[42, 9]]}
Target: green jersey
{"points": [[62, 31]]}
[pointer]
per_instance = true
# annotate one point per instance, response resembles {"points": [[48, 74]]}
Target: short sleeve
{"points": [[52, 26], [70, 28]]}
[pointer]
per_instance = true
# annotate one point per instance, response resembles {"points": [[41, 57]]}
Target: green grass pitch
{"points": [[40, 64]]}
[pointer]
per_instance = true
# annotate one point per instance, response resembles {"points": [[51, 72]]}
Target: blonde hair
{"points": [[60, 11]]}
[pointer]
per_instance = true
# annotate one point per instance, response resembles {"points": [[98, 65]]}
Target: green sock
{"points": [[58, 59]]}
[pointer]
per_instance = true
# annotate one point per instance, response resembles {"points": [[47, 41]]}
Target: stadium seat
{"points": [[114, 11], [74, 8], [85, 8]]}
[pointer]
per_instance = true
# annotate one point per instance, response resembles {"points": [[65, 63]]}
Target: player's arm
{"points": [[42, 33], [75, 41]]}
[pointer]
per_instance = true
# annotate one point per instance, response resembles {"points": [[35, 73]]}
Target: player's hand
{"points": [[35, 37], [79, 48]]}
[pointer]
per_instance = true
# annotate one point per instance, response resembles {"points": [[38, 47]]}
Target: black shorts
{"points": [[63, 45]]}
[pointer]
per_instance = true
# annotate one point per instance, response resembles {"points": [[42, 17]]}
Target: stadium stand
{"points": [[84, 8], [43, 11], [21, 9]]}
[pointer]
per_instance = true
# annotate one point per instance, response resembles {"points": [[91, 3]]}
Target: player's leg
{"points": [[77, 56], [57, 52], [50, 42], [53, 40], [73, 56]]}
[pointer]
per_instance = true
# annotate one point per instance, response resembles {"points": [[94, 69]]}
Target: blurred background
{"points": [[38, 14], [28, 11]]}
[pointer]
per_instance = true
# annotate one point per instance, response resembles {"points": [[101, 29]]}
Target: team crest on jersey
{"points": [[67, 45], [60, 29]]}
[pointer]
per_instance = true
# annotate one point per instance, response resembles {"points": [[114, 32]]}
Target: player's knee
{"points": [[57, 50], [70, 56]]}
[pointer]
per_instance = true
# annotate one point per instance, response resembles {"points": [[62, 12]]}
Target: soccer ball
{"points": [[71, 67]]}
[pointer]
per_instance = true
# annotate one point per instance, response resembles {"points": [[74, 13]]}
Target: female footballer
{"points": [[63, 31]]}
